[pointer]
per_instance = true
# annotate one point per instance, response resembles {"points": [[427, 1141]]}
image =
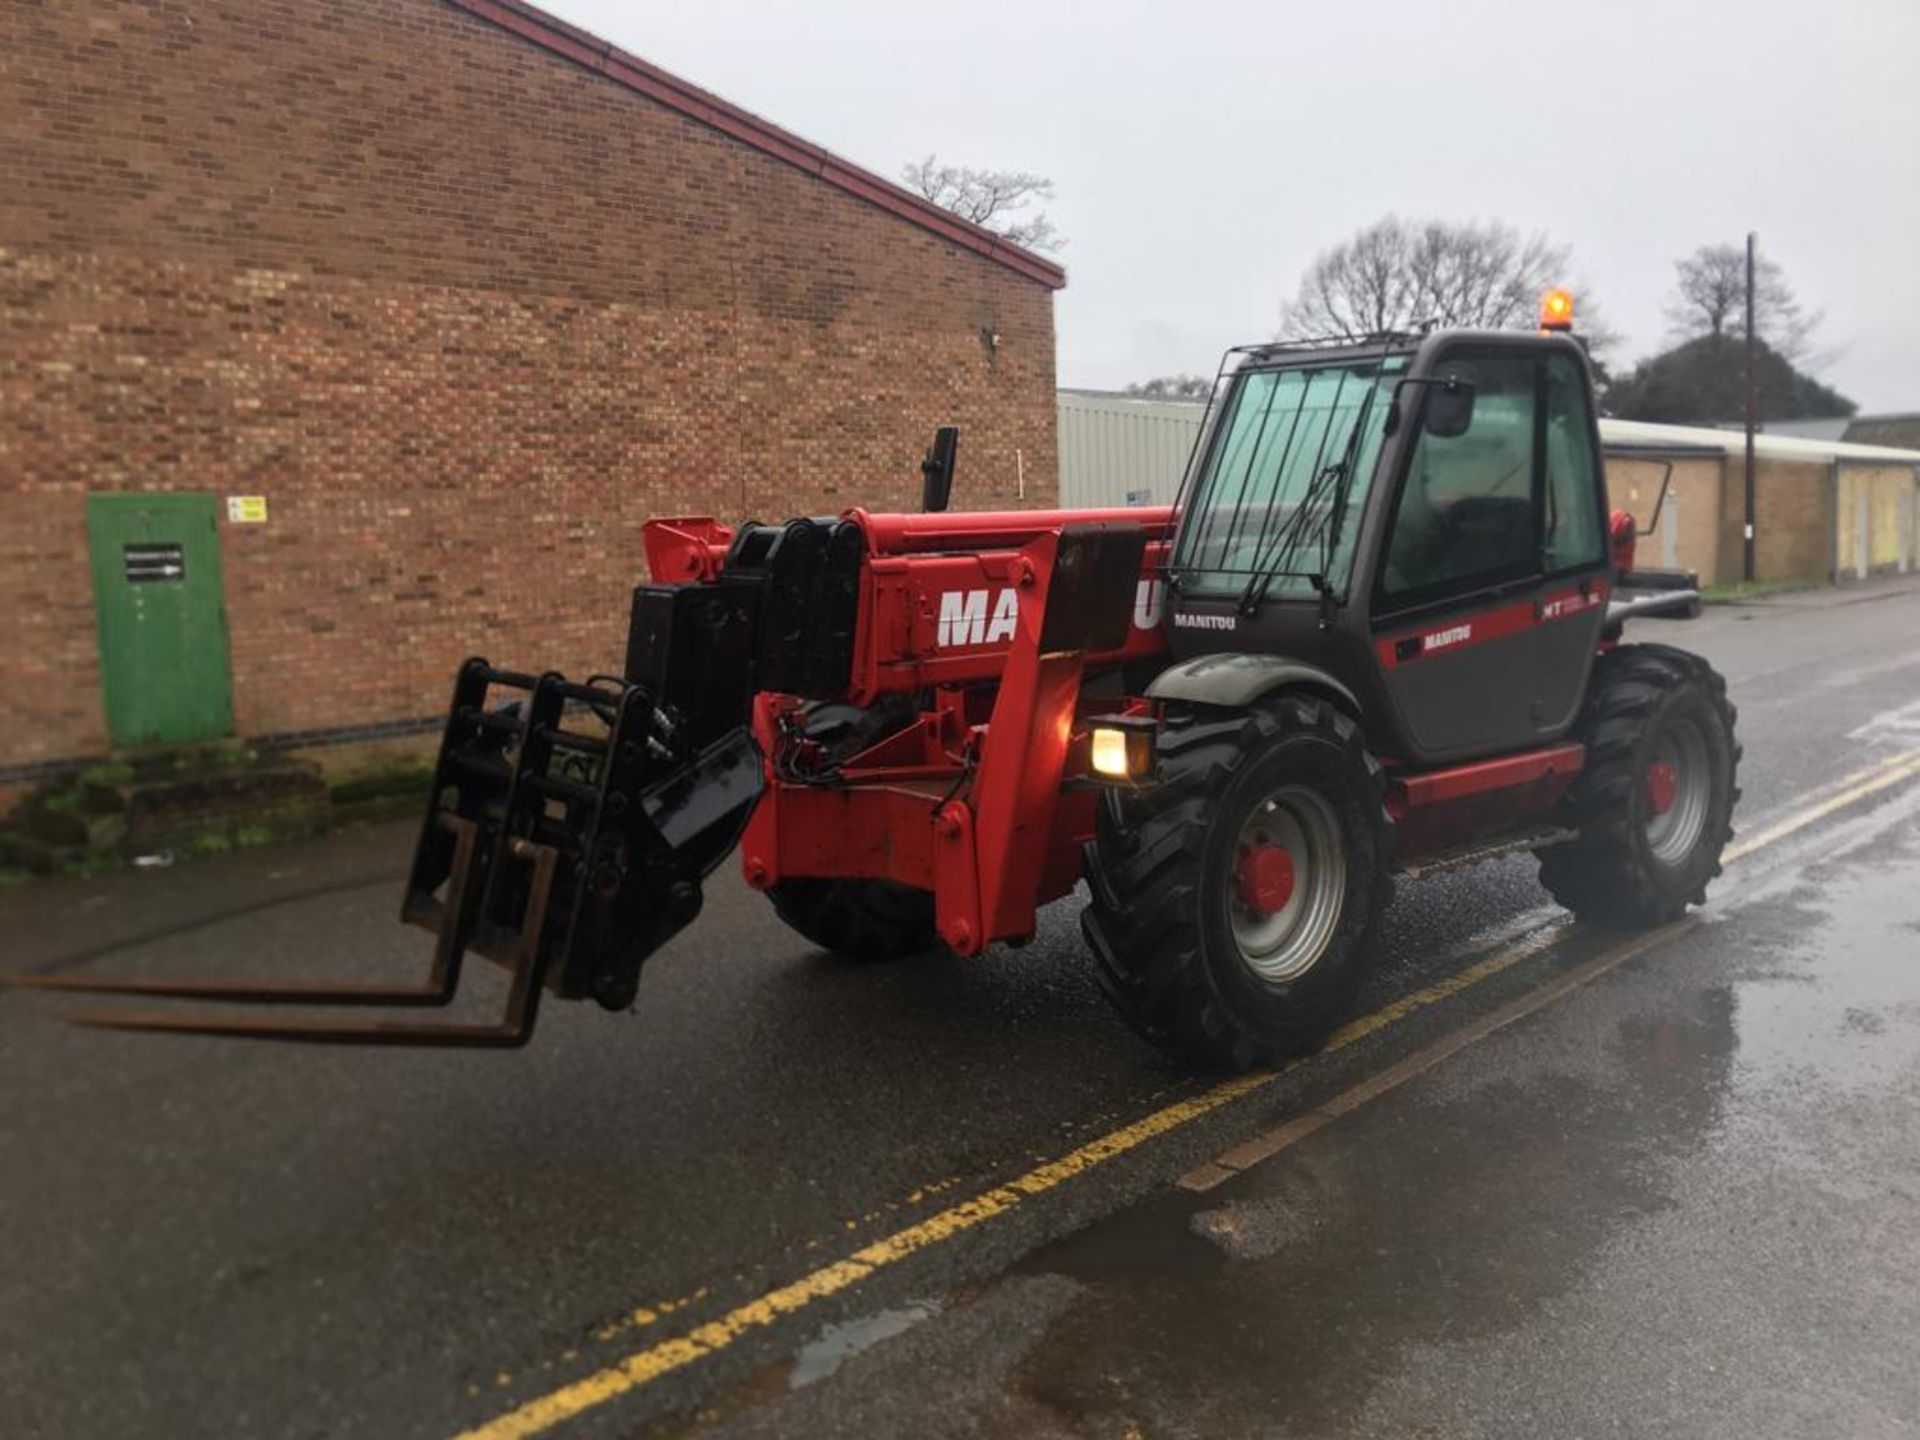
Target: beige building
{"points": [[1823, 509]]}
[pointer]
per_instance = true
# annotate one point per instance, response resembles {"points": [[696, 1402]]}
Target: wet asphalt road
{"points": [[1684, 1199]]}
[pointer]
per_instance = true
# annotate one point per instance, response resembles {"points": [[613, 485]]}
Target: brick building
{"points": [[464, 295]]}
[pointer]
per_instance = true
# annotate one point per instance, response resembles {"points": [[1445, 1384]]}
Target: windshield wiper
{"points": [[1290, 539], [1340, 472]]}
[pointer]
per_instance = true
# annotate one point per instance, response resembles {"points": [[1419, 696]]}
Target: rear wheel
{"points": [[1654, 803], [859, 920], [1235, 902]]}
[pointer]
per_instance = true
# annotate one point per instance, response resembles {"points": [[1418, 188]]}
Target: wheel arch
{"points": [[1235, 679]]}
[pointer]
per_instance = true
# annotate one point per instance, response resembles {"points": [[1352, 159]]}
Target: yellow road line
{"points": [[649, 1364], [1856, 788], [645, 1366], [1261, 1148]]}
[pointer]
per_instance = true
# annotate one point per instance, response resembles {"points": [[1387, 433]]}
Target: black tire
{"points": [[1165, 858], [1624, 872], [865, 921]]}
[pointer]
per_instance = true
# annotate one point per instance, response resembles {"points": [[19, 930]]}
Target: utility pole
{"points": [[1747, 559]]}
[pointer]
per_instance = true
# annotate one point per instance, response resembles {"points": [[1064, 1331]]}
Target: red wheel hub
{"points": [[1661, 785], [1266, 878]]}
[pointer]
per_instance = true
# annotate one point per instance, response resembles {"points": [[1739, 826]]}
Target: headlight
{"points": [[1122, 748]]}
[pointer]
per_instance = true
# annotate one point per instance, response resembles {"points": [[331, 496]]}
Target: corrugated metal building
{"points": [[1824, 509], [1122, 450]]}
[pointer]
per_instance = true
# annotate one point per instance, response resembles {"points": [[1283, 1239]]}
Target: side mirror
{"points": [[1449, 407], [936, 471]]}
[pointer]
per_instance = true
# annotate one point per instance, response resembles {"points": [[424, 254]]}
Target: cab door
{"points": [[1573, 548], [1454, 617]]}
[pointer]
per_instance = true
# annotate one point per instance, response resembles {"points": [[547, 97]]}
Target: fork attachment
{"points": [[566, 855]]}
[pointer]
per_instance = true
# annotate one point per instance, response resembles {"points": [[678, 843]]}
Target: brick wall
{"points": [[1687, 536], [1793, 511], [465, 313], [1793, 518]]}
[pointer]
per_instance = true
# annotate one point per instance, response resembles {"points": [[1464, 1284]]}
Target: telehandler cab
{"points": [[1379, 631]]}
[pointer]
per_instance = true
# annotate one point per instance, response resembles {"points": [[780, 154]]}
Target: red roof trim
{"points": [[590, 51]]}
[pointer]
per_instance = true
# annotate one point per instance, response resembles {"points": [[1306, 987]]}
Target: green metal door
{"points": [[163, 623]]}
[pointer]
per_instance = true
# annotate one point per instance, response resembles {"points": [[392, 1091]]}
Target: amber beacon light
{"points": [[1556, 311]]}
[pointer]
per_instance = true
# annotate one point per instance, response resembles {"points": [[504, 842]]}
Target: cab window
{"points": [[1573, 537], [1282, 429], [1465, 515]]}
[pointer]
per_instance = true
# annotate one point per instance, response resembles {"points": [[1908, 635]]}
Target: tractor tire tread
{"points": [[1145, 867], [1602, 876]]}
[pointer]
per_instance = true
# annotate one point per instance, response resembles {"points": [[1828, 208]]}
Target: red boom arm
{"points": [[975, 800]]}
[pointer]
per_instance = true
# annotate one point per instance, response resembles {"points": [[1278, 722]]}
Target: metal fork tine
{"points": [[504, 1035], [511, 1030], [437, 989], [238, 991]]}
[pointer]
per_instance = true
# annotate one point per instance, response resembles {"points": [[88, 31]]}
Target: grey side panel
{"points": [[1469, 700], [1564, 664], [1239, 680]]}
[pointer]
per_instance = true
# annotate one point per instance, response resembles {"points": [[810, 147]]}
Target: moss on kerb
{"points": [[404, 781], [202, 800], [1737, 591]]}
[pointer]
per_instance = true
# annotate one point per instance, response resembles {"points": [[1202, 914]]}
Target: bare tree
{"points": [[1710, 300], [1172, 387], [993, 198], [1397, 274]]}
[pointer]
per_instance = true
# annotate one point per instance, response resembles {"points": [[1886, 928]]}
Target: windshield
{"points": [[1285, 456]]}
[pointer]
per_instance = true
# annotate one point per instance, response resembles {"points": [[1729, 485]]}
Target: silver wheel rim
{"points": [[1284, 944], [1682, 747]]}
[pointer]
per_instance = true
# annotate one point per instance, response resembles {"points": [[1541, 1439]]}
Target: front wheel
{"points": [[1653, 804], [1236, 901]]}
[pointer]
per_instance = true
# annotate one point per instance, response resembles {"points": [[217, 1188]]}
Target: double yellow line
{"points": [[1853, 789], [644, 1366]]}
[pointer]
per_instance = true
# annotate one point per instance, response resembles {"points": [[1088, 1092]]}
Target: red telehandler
{"points": [[1379, 631]]}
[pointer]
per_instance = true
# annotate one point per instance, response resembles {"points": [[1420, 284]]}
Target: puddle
{"points": [[1841, 933], [1610, 1169], [837, 1344]]}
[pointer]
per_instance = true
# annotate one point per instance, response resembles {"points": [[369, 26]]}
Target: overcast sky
{"points": [[1203, 154]]}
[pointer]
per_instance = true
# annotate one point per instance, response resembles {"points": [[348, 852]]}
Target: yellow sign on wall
{"points": [[246, 509]]}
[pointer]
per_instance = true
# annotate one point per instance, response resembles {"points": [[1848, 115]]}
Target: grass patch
{"points": [[80, 865], [1739, 590]]}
